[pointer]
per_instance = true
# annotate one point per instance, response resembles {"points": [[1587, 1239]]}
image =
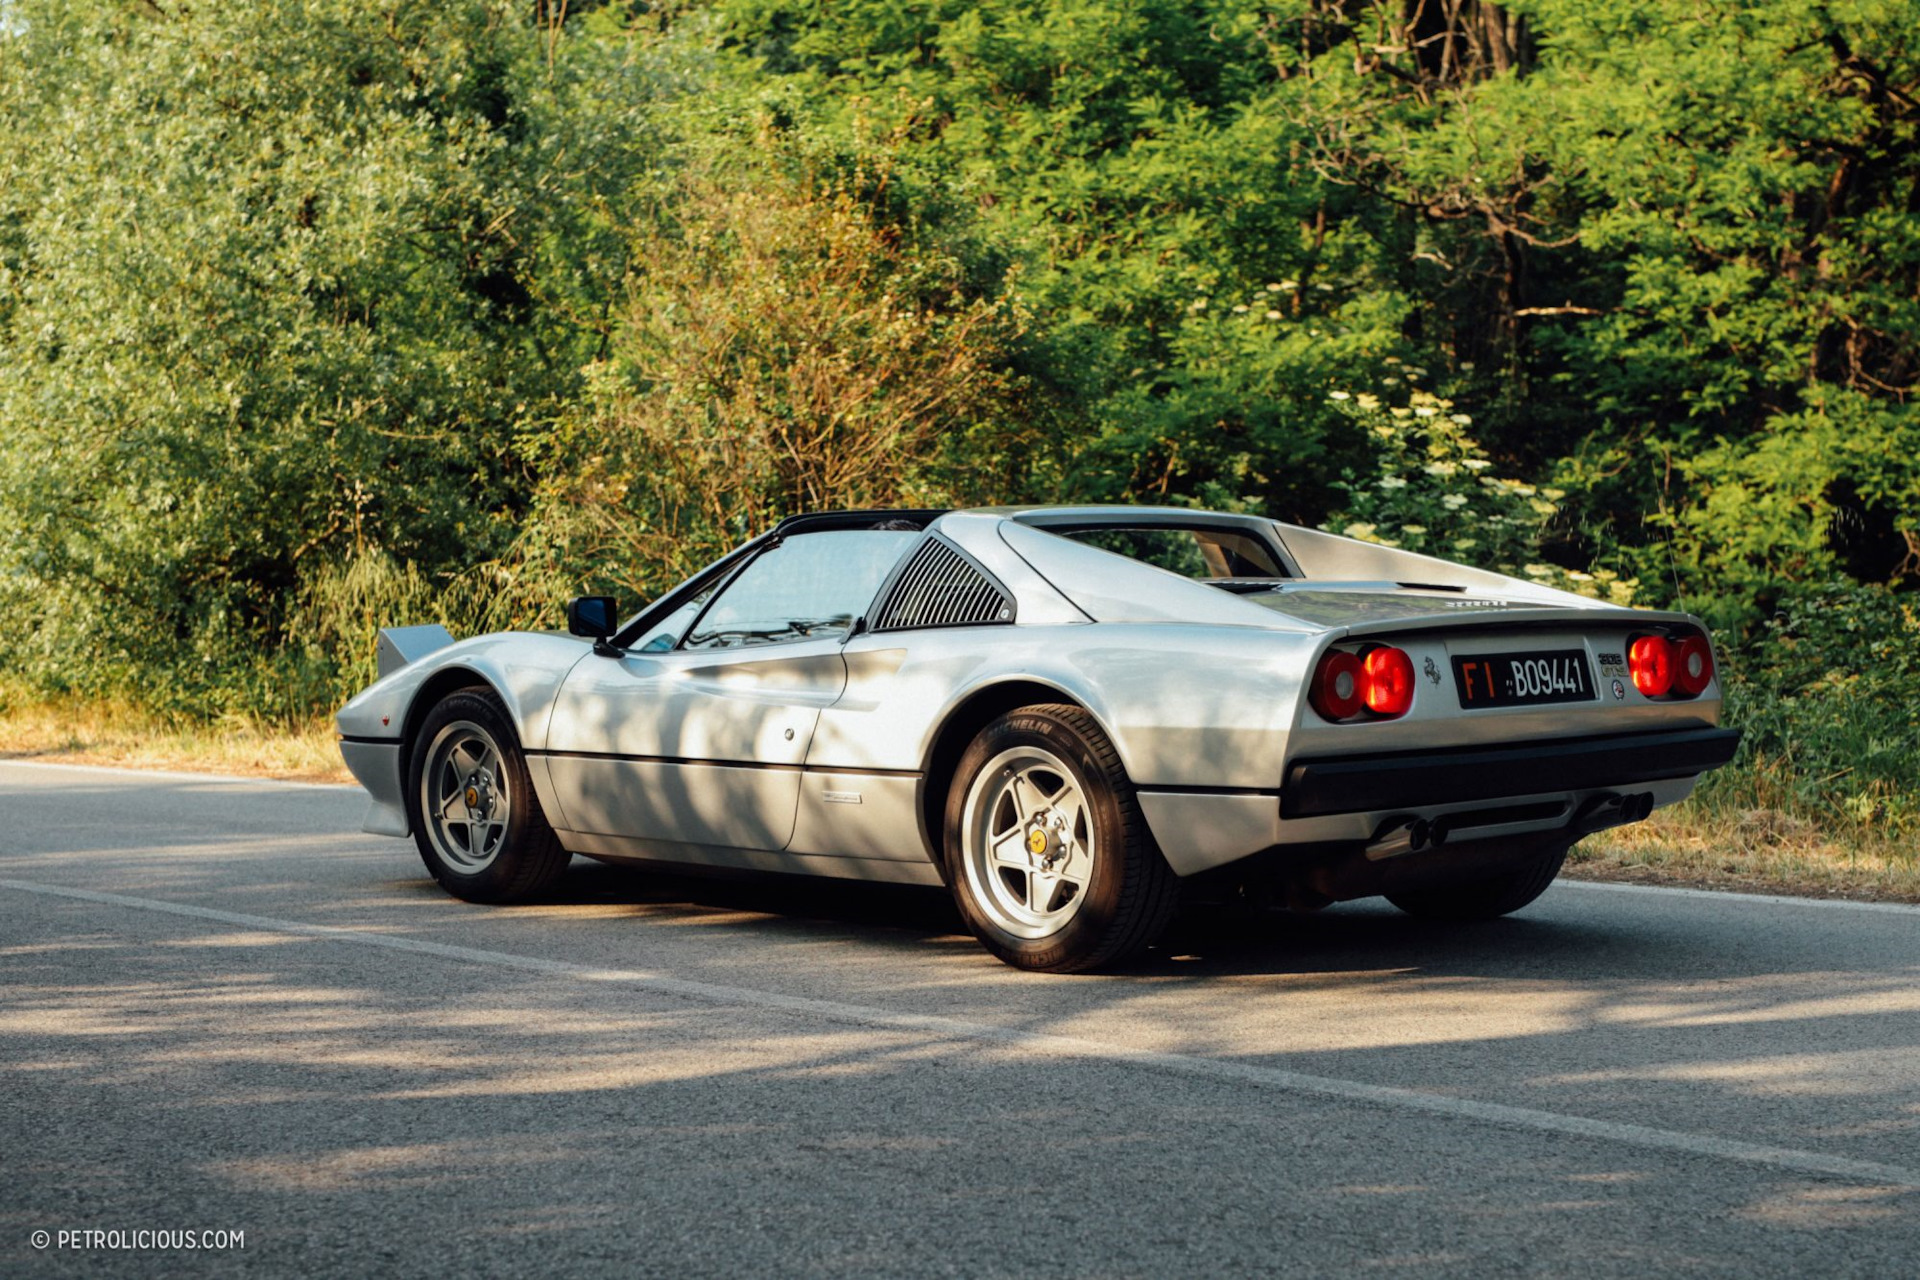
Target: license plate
{"points": [[1523, 679]]}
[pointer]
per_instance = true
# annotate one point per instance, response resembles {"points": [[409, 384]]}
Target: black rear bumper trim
{"points": [[1404, 779]]}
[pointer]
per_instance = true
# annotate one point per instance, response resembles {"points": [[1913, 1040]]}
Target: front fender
{"points": [[525, 669]]}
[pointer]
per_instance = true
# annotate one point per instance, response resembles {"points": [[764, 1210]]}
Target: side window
{"points": [[667, 632], [812, 586]]}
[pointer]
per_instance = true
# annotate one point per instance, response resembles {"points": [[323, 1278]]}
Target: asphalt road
{"points": [[223, 1009]]}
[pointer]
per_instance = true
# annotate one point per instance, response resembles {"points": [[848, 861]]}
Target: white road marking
{"points": [[134, 774], [1782, 1158], [1725, 895]]}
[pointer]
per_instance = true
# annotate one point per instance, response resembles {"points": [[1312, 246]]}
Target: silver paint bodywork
{"points": [[813, 756]]}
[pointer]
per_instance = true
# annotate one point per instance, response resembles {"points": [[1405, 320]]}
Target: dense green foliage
{"points": [[278, 287], [317, 314]]}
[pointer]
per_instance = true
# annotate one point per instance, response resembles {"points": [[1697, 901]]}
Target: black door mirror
{"points": [[592, 616]]}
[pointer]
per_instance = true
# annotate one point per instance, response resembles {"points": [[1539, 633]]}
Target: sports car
{"points": [[1071, 718]]}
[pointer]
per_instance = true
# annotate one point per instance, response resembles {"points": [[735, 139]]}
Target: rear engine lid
{"points": [[1355, 604]]}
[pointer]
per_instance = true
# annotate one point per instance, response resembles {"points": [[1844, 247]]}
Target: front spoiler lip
{"points": [[1406, 779]]}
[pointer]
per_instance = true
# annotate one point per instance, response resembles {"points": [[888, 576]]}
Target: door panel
{"points": [[702, 740], [698, 747], [701, 804]]}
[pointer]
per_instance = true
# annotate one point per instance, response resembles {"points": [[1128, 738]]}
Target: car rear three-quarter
{"points": [[1433, 733], [1069, 717], [1448, 759]]}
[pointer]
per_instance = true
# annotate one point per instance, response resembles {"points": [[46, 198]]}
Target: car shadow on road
{"points": [[1205, 941]]}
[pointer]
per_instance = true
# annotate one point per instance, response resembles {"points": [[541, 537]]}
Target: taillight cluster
{"points": [[1377, 682], [1664, 666]]}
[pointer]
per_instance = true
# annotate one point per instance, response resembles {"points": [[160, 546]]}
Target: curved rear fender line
{"points": [[956, 726], [1188, 709]]}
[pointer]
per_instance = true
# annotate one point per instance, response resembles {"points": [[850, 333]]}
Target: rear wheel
{"points": [[476, 821], [1049, 857], [1485, 898]]}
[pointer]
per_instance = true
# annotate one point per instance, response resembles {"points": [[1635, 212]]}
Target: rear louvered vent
{"points": [[941, 588]]}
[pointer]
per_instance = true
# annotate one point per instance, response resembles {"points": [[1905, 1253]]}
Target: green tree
{"points": [[1681, 244], [280, 285], [1199, 288], [776, 351]]}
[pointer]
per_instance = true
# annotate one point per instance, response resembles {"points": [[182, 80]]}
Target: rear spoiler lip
{"points": [[1532, 619]]}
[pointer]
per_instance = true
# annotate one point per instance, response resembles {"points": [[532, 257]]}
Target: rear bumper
{"points": [[1409, 779]]}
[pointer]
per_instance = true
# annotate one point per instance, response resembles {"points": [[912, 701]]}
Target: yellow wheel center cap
{"points": [[473, 797], [1036, 841]]}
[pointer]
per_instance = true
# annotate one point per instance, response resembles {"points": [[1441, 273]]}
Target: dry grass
{"points": [[93, 731], [1755, 850], [1709, 844]]}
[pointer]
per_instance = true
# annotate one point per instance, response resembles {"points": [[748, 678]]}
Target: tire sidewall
{"points": [[1034, 728], [496, 879]]}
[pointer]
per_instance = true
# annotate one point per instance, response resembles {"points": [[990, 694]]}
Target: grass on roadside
{"points": [[1745, 829], [1750, 827], [97, 731], [1759, 851]]}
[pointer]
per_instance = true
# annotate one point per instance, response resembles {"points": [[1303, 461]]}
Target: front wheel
{"points": [[476, 821], [1050, 860], [1485, 899]]}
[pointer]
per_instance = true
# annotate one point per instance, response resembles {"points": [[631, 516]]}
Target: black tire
{"points": [[1131, 894], [525, 857], [1486, 898]]}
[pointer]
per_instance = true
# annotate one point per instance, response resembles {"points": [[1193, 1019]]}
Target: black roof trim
{"points": [[817, 521]]}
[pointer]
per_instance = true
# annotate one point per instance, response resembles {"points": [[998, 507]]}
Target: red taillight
{"points": [[1386, 683], [1336, 686], [1347, 685], [1692, 666], [1650, 659]]}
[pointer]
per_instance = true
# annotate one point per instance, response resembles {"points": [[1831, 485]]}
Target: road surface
{"points": [[222, 1009]]}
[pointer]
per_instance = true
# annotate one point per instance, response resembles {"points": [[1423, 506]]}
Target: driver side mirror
{"points": [[594, 617]]}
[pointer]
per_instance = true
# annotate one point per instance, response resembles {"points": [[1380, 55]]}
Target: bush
{"points": [[1829, 697], [1431, 488], [281, 288], [778, 351]]}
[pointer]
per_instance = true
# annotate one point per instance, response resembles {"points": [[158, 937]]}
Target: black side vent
{"points": [[942, 588]]}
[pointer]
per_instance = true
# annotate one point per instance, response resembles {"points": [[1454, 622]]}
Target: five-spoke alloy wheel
{"points": [[1049, 857], [467, 801], [1028, 840], [477, 823]]}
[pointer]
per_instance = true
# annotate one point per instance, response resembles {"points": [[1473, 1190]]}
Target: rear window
{"points": [[1192, 553]]}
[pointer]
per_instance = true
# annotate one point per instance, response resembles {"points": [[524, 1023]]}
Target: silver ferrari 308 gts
{"points": [[1071, 717]]}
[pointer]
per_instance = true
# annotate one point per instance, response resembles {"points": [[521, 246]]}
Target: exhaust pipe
{"points": [[1400, 836], [1612, 810], [1406, 834]]}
